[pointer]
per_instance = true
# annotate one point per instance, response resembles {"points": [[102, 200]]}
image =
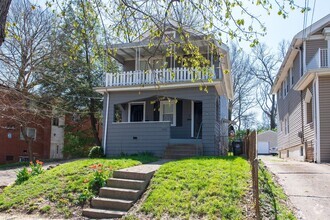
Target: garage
{"points": [[263, 147]]}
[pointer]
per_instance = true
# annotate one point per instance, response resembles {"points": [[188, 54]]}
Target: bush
{"points": [[96, 152], [22, 176], [77, 144]]}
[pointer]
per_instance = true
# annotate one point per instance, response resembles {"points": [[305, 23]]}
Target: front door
{"points": [[198, 120]]}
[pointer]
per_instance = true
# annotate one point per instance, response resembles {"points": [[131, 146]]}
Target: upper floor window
{"points": [[308, 107], [30, 132], [56, 121]]}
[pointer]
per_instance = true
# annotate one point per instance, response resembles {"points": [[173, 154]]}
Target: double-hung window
{"points": [[168, 111], [30, 132]]}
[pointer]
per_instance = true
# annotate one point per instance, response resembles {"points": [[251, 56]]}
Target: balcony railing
{"points": [[324, 58], [158, 76]]}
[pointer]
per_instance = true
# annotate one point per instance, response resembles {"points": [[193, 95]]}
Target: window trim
{"points": [[161, 111], [144, 111]]}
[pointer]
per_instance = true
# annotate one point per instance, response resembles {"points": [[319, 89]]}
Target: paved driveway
{"points": [[306, 184]]}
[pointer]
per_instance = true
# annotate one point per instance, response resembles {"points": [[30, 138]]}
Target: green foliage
{"points": [[99, 178], [77, 144], [206, 187], [63, 187], [96, 152], [22, 176], [36, 168], [273, 201], [45, 209]]}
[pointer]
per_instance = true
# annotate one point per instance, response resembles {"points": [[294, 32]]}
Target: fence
{"points": [[250, 150]]}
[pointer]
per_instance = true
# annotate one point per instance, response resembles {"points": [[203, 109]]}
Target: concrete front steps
{"points": [[122, 191], [178, 151]]}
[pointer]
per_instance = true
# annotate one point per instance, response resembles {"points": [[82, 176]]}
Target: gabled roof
{"points": [[294, 49]]}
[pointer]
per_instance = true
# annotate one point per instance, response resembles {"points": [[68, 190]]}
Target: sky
{"points": [[279, 28]]}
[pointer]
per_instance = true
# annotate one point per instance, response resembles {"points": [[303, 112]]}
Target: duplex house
{"points": [[155, 103], [303, 95]]}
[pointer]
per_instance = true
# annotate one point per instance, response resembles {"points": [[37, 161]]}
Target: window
{"points": [[56, 121], [136, 111], [291, 78], [168, 111], [287, 84], [30, 132]]}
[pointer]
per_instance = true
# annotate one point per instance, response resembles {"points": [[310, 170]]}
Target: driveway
{"points": [[306, 184]]}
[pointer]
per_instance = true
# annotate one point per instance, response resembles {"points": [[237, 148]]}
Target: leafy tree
{"points": [[79, 62]]}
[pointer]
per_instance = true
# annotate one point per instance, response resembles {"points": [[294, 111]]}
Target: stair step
{"points": [[102, 213], [114, 204], [126, 183], [119, 193], [132, 175]]}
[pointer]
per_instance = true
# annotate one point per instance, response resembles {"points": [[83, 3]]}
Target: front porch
{"points": [[182, 117]]}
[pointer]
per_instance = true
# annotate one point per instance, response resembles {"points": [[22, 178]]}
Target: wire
{"points": [[312, 16]]}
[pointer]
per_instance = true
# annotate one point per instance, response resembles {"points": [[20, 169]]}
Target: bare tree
{"points": [[266, 66], [21, 59], [243, 86], [4, 7]]}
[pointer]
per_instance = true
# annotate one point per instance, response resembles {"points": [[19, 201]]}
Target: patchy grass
{"points": [[59, 191], [204, 187], [273, 201]]}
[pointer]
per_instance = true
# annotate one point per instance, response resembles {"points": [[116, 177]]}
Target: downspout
{"points": [[106, 124], [317, 115]]}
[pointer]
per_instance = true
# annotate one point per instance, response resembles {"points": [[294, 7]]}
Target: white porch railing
{"points": [[171, 75], [324, 58]]}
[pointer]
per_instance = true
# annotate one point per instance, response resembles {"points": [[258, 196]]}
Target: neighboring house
{"points": [[303, 95], [267, 142], [148, 108]]}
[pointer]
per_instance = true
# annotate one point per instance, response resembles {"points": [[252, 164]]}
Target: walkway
{"points": [[306, 184], [122, 191]]}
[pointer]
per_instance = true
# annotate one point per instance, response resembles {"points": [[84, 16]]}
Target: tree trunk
{"points": [[273, 114], [93, 121], [30, 148], [4, 7]]}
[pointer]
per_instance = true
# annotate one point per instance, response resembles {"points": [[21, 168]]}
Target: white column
{"points": [[105, 133], [317, 106]]}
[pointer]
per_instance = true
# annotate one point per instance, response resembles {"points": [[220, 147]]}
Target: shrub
{"points": [[96, 152], [77, 144], [22, 176]]}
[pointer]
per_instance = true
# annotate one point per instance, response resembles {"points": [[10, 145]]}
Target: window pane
{"points": [[168, 108], [168, 117]]}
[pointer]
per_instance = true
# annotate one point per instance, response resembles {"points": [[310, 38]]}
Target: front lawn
{"points": [[205, 187], [60, 192]]}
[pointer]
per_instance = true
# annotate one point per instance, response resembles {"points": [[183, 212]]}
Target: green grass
{"points": [[273, 201], [60, 187], [205, 187]]}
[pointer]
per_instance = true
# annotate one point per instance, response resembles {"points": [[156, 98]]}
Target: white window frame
{"points": [[129, 111], [27, 132], [161, 110]]}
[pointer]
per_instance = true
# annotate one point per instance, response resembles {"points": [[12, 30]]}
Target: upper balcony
{"points": [[323, 58], [161, 76], [318, 60]]}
